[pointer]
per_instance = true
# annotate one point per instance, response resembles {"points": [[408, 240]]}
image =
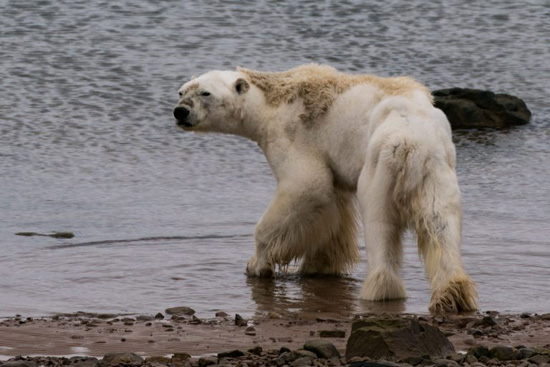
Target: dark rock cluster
{"points": [[474, 108]]}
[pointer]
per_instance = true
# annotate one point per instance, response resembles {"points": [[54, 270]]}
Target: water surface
{"points": [[165, 218]]}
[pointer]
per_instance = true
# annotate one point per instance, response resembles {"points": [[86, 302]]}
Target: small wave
{"points": [[147, 239]]}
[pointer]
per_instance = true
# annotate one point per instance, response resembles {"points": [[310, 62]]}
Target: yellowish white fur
{"points": [[331, 138]]}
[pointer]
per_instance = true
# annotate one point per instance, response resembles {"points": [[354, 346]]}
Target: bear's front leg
{"points": [[260, 268], [296, 221]]}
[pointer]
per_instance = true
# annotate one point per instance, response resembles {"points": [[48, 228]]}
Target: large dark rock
{"points": [[396, 338], [474, 108]]}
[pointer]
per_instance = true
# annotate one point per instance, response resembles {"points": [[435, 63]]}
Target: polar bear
{"points": [[333, 140]]}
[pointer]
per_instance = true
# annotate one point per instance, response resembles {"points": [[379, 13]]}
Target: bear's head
{"points": [[212, 102]]}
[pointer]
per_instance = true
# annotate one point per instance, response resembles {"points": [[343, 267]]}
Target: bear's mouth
{"points": [[185, 125]]}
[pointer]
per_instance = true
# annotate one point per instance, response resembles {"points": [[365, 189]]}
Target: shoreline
{"points": [[94, 335]]}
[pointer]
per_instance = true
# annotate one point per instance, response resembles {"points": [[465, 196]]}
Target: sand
{"points": [[95, 335]]}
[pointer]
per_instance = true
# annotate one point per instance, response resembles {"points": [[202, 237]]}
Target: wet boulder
{"points": [[474, 108], [396, 338]]}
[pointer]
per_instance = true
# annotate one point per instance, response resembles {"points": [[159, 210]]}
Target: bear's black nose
{"points": [[181, 113]]}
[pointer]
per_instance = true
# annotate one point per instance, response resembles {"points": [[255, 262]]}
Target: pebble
{"points": [[301, 353], [445, 363], [286, 339], [145, 318], [19, 364], [158, 359], [504, 353], [322, 348], [332, 333], [457, 357], [257, 350], [250, 331], [479, 351], [126, 359], [304, 361], [489, 321], [475, 332], [240, 321], [182, 310], [526, 352], [180, 356], [539, 359], [207, 361], [232, 354], [195, 320]]}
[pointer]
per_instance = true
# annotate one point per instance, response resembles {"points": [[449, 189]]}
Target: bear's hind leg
{"points": [[383, 234], [438, 228]]}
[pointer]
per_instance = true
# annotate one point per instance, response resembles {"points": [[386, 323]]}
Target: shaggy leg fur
{"points": [[305, 219], [437, 213], [405, 185], [459, 295], [340, 252], [438, 230], [383, 233]]}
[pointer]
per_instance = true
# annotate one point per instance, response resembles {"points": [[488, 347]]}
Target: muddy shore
{"points": [[86, 334]]}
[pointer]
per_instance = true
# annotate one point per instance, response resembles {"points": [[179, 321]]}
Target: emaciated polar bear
{"points": [[330, 137]]}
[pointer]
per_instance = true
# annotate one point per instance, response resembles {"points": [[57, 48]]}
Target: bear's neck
{"points": [[255, 117]]}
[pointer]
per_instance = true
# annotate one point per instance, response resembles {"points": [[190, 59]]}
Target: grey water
{"points": [[165, 218]]}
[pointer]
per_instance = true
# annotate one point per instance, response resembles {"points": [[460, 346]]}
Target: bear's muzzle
{"points": [[181, 114]]}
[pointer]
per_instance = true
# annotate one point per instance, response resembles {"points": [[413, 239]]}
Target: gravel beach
{"points": [[185, 339]]}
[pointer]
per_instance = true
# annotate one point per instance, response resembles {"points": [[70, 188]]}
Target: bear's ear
{"points": [[242, 86]]}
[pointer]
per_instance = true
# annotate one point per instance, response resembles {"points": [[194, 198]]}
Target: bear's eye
{"points": [[181, 94], [205, 94]]}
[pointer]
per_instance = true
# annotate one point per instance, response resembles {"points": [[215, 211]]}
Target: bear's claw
{"points": [[254, 270]]}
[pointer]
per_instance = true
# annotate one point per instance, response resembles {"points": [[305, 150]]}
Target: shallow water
{"points": [[165, 218]]}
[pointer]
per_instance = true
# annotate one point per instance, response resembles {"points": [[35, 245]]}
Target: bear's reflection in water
{"points": [[311, 297]]}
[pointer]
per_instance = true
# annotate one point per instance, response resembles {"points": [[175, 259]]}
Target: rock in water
{"points": [[396, 338], [474, 108], [53, 235]]}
